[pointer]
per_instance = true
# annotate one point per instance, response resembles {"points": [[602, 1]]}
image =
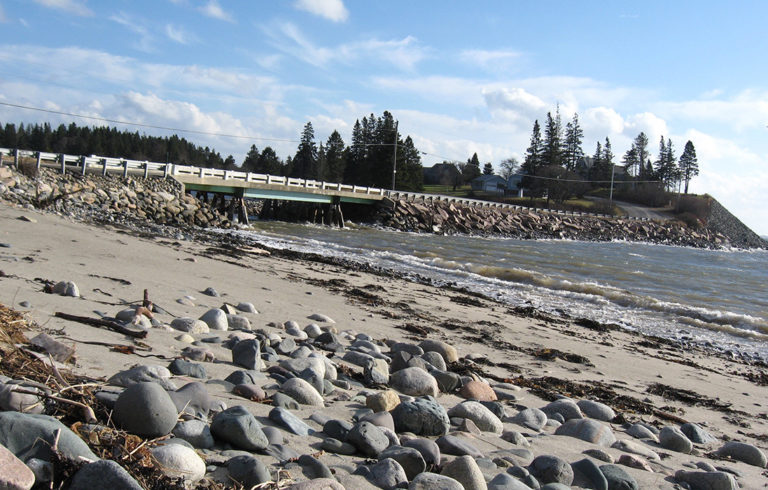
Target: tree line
{"points": [[375, 148]]}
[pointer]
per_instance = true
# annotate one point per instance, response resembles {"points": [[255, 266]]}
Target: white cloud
{"points": [[72, 6], [145, 41], [178, 34], [213, 9], [401, 53], [491, 60], [514, 103], [330, 9], [747, 109]]}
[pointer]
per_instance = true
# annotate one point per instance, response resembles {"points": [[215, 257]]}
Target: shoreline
{"points": [[545, 356]]}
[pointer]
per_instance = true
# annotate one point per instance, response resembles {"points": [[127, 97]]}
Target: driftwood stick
{"points": [[88, 413], [100, 322]]}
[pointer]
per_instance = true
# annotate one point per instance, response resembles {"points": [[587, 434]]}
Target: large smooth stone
{"points": [[179, 461], [237, 426], [195, 432], [423, 416], [192, 399], [465, 471], [428, 448], [457, 446], [15, 474], [216, 319], [289, 421], [617, 478], [591, 472], [414, 381], [587, 430], [302, 392], [145, 409], [382, 401], [504, 481], [449, 353], [103, 474], [565, 407], [673, 439], [248, 471], [387, 473], [532, 418], [551, 469], [477, 390], [190, 325], [483, 418], [707, 480], [29, 435], [596, 410], [368, 439], [743, 452], [247, 354], [409, 458], [140, 374], [433, 481]]}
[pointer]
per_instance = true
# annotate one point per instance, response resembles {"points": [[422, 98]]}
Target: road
{"points": [[637, 210]]}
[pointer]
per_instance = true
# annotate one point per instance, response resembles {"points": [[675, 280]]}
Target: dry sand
{"points": [[112, 267]]}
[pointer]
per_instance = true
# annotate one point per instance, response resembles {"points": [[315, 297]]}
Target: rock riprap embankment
{"points": [[306, 407]]}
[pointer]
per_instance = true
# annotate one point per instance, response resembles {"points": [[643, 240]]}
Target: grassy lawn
{"points": [[447, 190]]}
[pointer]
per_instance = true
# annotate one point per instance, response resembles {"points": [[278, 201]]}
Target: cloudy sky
{"points": [[459, 79]]}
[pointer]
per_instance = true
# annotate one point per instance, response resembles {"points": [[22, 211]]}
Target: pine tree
{"points": [[553, 140], [689, 164], [488, 169], [471, 170], [573, 139], [305, 161], [334, 156], [251, 161], [269, 163], [641, 149]]}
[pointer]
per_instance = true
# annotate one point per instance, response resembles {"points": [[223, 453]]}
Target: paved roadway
{"points": [[637, 210]]}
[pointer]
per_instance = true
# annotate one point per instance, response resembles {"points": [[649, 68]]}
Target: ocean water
{"points": [[717, 297]]}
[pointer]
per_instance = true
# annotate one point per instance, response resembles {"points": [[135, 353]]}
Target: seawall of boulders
{"points": [[161, 201], [720, 220], [454, 218]]}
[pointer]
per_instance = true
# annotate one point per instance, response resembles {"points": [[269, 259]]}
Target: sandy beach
{"points": [[643, 379]]}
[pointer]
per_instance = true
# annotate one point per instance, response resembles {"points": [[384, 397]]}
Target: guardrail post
{"points": [[63, 164], [39, 159], [16, 158], [82, 160], [103, 166], [146, 169], [125, 169], [165, 170]]}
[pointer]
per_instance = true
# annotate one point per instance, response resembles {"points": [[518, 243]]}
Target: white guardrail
{"points": [[82, 164]]}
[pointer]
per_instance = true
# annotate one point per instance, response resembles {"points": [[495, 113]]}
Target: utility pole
{"points": [[394, 160], [610, 198]]}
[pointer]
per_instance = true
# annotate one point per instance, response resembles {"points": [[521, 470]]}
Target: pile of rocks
{"points": [[452, 218], [332, 408], [160, 201]]}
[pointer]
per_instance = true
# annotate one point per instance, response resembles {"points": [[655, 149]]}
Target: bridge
{"points": [[241, 184]]}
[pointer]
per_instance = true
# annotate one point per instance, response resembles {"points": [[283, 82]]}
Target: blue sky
{"points": [[459, 79]]}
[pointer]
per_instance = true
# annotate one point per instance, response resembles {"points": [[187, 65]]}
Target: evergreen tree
{"points": [[573, 151], [305, 162], [600, 171], [553, 140], [251, 161], [689, 164], [471, 170], [488, 169], [666, 167], [269, 163], [533, 160], [410, 172], [641, 151], [334, 156], [631, 160]]}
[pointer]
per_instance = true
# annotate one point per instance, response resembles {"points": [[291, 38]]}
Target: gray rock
{"points": [[246, 307], [190, 325], [380, 419], [145, 409], [411, 349], [587, 430], [282, 453], [629, 446], [617, 478], [216, 319], [697, 434], [238, 322], [743, 452], [465, 471], [196, 432], [247, 354], [302, 392], [237, 426], [336, 446], [447, 381], [515, 438], [181, 367], [241, 377], [433, 481], [414, 381], [192, 399], [409, 458], [450, 444], [599, 455], [285, 401], [565, 407], [248, 471], [368, 439], [591, 473], [140, 374], [376, 373], [428, 449], [274, 435], [387, 473], [707, 480], [313, 468], [551, 469], [178, 461], [103, 474], [504, 481], [596, 410], [289, 421], [209, 291], [533, 418], [422, 416], [298, 365], [446, 350], [483, 418], [673, 439], [639, 431], [435, 359], [319, 317], [29, 435], [20, 402], [337, 429]]}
